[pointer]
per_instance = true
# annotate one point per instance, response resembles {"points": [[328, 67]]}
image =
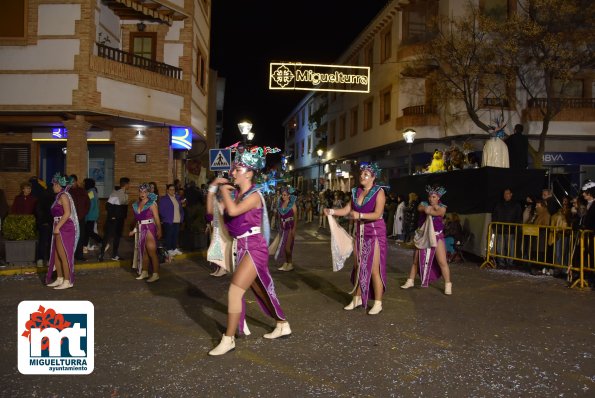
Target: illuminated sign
{"points": [[181, 138], [315, 77], [59, 133]]}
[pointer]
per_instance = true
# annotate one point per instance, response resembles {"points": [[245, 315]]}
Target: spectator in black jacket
{"points": [[117, 210], [588, 222], [518, 149], [45, 223], [82, 203], [506, 211]]}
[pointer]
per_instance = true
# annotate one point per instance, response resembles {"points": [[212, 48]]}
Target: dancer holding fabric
{"points": [[148, 227], [366, 208], [65, 235], [287, 211], [247, 222], [431, 260]]}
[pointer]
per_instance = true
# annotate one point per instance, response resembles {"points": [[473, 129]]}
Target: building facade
{"points": [[103, 88], [369, 127]]}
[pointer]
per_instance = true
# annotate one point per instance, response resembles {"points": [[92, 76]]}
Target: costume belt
{"points": [[250, 232], [57, 218], [149, 221], [288, 219]]}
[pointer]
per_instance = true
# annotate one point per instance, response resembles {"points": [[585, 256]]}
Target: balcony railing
{"points": [[499, 102], [418, 110], [124, 57], [563, 103]]}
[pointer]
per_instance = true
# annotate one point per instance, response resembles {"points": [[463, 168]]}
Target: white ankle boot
{"points": [[227, 344], [282, 268], [376, 308], [282, 329], [287, 267], [143, 275], [59, 280], [356, 301], [246, 330], [153, 278], [407, 284], [65, 285], [448, 288], [220, 272]]}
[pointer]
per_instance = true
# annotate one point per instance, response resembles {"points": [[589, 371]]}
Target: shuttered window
{"points": [[15, 157]]}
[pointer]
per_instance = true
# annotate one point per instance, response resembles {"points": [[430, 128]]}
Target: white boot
{"points": [[282, 268], [246, 330], [153, 278], [356, 301], [227, 344], [376, 308], [288, 267], [448, 288], [65, 285], [282, 329], [407, 284], [220, 272], [59, 280], [143, 275]]}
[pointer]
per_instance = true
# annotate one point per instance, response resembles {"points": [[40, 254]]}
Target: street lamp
{"points": [[245, 128], [319, 152], [409, 136]]}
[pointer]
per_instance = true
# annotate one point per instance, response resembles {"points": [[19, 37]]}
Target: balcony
{"points": [[490, 102], [571, 109], [124, 57], [418, 115]]}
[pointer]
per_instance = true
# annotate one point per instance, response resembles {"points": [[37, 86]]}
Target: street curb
{"points": [[32, 269]]}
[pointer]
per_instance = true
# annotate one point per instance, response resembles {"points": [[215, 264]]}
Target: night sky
{"points": [[248, 35]]}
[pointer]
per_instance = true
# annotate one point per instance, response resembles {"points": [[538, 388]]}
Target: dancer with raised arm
{"points": [[287, 212], [65, 235], [247, 222], [431, 260], [366, 208]]}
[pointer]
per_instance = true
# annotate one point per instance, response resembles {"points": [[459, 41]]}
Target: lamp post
{"points": [[245, 127], [319, 152], [409, 136]]}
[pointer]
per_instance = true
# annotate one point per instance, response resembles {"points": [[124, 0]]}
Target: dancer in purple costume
{"points": [[432, 262], [287, 211], [65, 236], [366, 208], [247, 221], [148, 226]]}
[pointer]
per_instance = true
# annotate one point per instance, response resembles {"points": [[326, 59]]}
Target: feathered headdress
{"points": [[62, 180], [372, 168], [252, 160], [436, 189], [143, 186]]}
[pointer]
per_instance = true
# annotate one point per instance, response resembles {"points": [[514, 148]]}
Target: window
{"points": [[143, 44], [368, 112], [385, 105], [568, 89], [15, 157], [416, 21], [201, 70], [353, 122], [342, 127], [310, 143], [496, 90], [369, 55], [13, 19], [331, 132], [385, 48], [495, 9]]}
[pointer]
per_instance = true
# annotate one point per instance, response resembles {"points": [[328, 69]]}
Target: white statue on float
{"points": [[495, 151]]}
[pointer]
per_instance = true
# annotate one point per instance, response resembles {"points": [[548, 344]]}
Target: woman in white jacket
{"points": [[398, 223]]}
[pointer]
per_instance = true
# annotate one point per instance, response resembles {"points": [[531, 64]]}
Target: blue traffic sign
{"points": [[219, 159]]}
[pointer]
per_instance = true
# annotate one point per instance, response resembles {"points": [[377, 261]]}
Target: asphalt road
{"points": [[501, 334]]}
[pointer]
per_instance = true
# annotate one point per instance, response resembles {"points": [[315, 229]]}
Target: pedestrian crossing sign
{"points": [[219, 159]]}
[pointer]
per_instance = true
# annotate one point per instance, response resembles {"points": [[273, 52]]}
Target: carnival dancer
{"points": [[432, 260], [287, 212], [65, 235], [247, 221], [148, 227], [366, 208]]}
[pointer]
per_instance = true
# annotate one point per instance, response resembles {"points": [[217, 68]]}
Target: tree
{"points": [[540, 49]]}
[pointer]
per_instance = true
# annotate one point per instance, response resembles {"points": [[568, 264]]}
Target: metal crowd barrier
{"points": [[545, 246]]}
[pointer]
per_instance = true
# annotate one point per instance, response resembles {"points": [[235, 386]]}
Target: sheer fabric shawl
{"points": [[220, 249], [341, 244]]}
